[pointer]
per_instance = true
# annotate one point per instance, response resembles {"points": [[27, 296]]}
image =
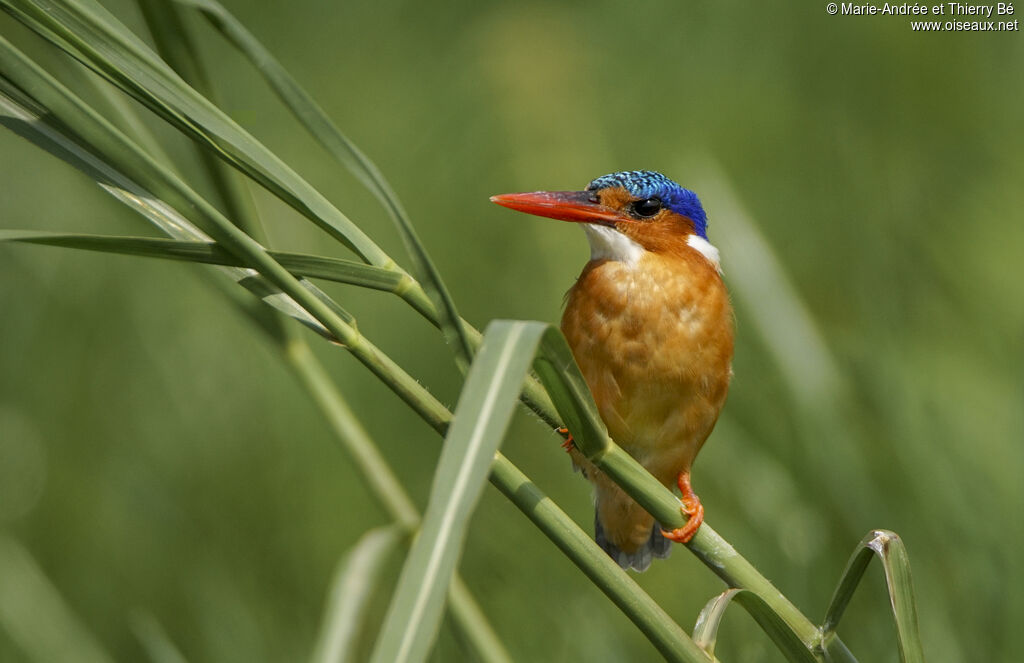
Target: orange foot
{"points": [[569, 442], [691, 507]]}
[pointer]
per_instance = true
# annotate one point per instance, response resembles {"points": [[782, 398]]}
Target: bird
{"points": [[650, 324]]}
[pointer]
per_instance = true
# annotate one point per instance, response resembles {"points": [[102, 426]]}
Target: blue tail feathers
{"points": [[656, 546]]}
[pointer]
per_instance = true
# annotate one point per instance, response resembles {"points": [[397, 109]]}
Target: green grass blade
{"points": [[475, 624], [299, 264], [356, 578], [779, 313], [760, 281], [348, 154], [93, 35], [35, 615], [481, 417], [890, 551], [705, 632], [777, 628]]}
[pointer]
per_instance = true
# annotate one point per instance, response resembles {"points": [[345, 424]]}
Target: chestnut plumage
{"points": [[650, 324]]}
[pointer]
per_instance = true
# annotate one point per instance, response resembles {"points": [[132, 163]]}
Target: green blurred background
{"points": [[158, 461]]}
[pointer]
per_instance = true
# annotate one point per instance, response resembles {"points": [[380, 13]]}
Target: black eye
{"points": [[646, 208]]}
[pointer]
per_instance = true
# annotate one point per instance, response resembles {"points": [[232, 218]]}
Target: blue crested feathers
{"points": [[650, 184]]}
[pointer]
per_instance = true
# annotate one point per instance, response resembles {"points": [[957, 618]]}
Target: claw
{"points": [[569, 442], [691, 507]]}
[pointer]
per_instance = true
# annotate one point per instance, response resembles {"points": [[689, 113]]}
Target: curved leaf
{"points": [[890, 551], [705, 632]]}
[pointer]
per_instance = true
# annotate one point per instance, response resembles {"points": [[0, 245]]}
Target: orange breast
{"points": [[655, 342]]}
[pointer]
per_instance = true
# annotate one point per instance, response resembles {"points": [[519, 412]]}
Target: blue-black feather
{"points": [[656, 547], [651, 184]]}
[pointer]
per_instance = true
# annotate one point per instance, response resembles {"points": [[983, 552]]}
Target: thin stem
{"points": [[474, 622], [391, 374], [373, 467]]}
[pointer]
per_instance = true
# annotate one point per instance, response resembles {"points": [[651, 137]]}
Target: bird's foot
{"points": [[691, 507], [569, 442]]}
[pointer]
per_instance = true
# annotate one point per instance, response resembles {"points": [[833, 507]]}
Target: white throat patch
{"points": [[706, 249], [607, 243]]}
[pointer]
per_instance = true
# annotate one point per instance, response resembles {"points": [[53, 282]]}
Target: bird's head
{"points": [[626, 213]]}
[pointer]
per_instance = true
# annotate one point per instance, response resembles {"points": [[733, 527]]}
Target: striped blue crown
{"points": [[649, 184]]}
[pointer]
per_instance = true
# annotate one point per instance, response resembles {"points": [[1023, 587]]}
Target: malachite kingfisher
{"points": [[651, 327]]}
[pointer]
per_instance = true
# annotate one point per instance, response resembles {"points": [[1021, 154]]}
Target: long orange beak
{"points": [[578, 206]]}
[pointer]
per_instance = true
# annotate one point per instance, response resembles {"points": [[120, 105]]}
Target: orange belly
{"points": [[655, 342]]}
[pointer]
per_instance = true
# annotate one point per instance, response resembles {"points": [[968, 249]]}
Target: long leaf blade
{"points": [[300, 264], [890, 551], [481, 417]]}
